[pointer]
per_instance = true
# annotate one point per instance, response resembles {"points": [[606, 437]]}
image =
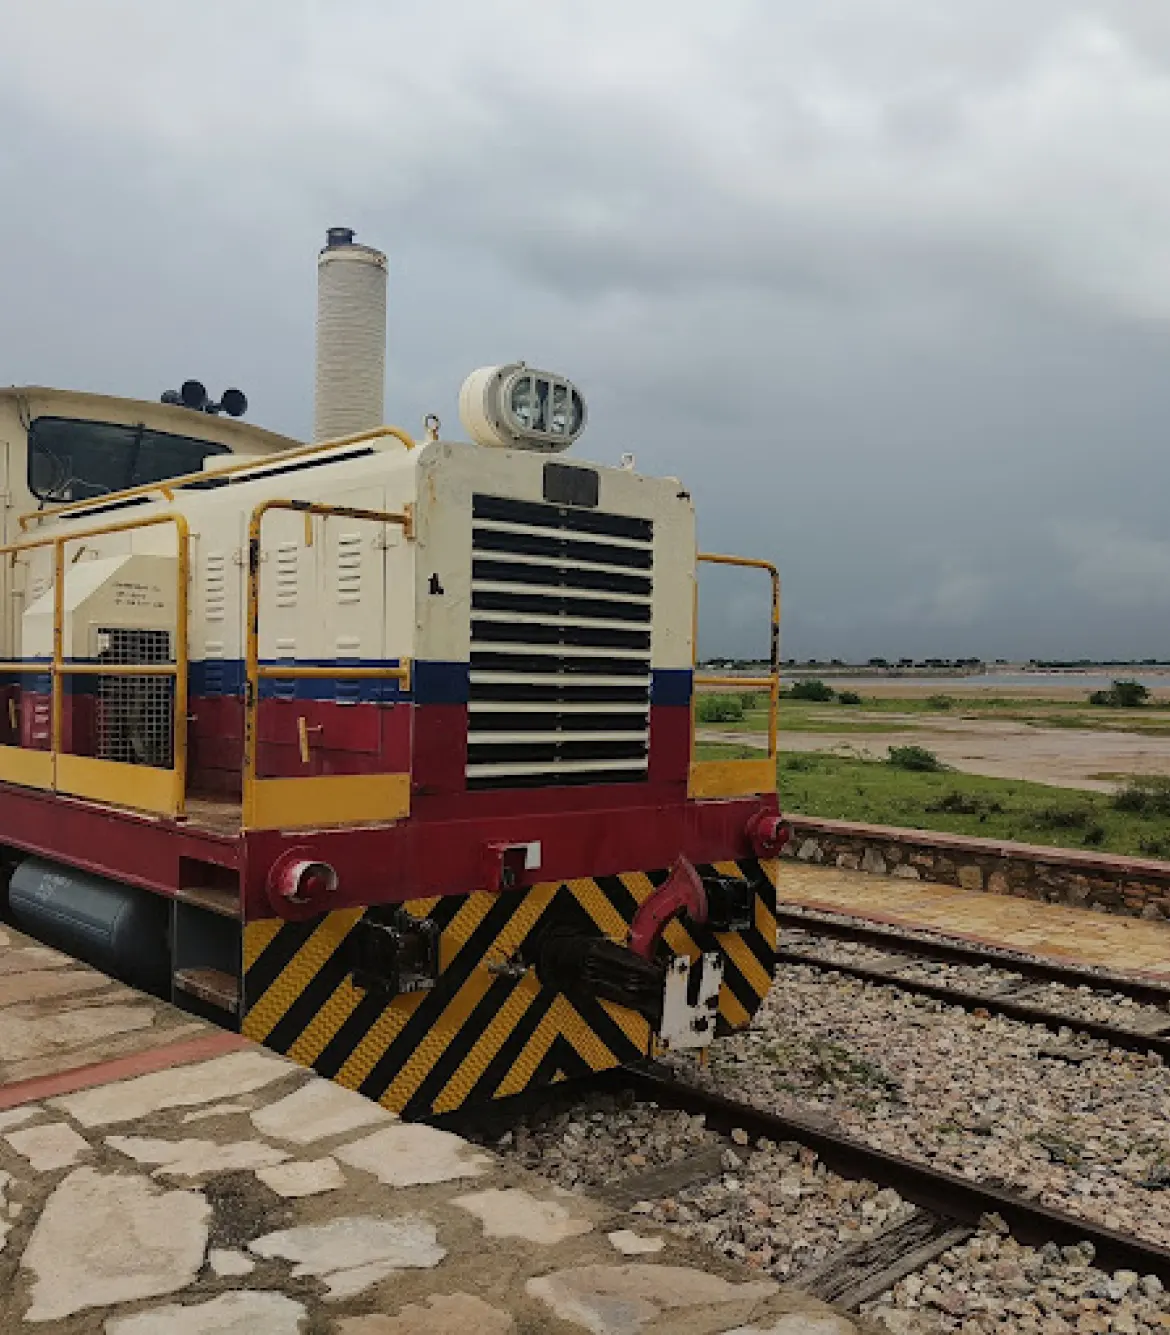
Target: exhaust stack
{"points": [[351, 337]]}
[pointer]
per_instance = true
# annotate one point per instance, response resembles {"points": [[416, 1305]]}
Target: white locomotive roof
{"points": [[240, 437]]}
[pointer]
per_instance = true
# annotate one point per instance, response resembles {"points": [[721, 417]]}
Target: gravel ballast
{"points": [[1073, 1124]]}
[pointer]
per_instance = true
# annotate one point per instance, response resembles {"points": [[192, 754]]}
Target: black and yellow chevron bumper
{"points": [[480, 1033]]}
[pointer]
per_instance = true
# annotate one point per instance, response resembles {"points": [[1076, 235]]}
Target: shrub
{"points": [[813, 689], [1094, 835], [1061, 818], [1121, 695], [1145, 795], [798, 762], [752, 700], [915, 758], [1153, 847], [940, 702], [719, 709], [1130, 694], [965, 804], [848, 698]]}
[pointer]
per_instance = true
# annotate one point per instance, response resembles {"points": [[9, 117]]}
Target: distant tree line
{"points": [[879, 664], [1096, 662]]}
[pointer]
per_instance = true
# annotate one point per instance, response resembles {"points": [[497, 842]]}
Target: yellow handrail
{"points": [[772, 681], [254, 670], [168, 485], [59, 669]]}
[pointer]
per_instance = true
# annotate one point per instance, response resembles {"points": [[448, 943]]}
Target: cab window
{"points": [[69, 460]]}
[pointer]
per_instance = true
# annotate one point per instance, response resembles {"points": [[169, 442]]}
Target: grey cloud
{"points": [[885, 283]]}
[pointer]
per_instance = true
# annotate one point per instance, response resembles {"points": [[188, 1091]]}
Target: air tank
{"points": [[118, 929], [351, 337]]}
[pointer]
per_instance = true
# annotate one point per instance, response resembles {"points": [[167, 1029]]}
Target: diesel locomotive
{"points": [[378, 749]]}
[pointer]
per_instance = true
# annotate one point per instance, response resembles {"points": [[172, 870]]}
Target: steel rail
{"points": [[943, 1193], [946, 951], [1132, 1040]]}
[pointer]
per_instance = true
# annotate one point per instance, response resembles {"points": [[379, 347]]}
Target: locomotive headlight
{"points": [[517, 407]]}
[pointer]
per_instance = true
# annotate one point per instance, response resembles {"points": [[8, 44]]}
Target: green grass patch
{"points": [[878, 715], [816, 783], [725, 751], [797, 716]]}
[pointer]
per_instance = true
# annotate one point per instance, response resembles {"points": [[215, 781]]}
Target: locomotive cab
{"points": [[58, 446]]}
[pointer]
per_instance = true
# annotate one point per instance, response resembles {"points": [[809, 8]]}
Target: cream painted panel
{"points": [[119, 591], [443, 553], [672, 641], [218, 584], [353, 595], [440, 479], [291, 581], [7, 524], [33, 578], [399, 637], [450, 474]]}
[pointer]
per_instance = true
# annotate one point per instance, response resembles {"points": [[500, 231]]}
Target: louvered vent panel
{"points": [[214, 586], [349, 568], [560, 645], [288, 556]]}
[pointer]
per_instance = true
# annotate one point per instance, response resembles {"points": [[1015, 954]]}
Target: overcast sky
{"points": [[886, 282]]}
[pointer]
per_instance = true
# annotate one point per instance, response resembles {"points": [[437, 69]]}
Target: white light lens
{"points": [[565, 414], [526, 405], [558, 416]]}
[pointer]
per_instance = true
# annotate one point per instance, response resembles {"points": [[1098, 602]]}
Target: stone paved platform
{"points": [[161, 1177], [1126, 944]]}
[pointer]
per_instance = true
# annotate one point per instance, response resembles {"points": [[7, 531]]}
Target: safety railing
{"points": [[313, 800], [145, 787], [736, 778], [168, 486]]}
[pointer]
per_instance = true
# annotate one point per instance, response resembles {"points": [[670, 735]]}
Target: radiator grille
{"points": [[560, 645], [135, 715]]}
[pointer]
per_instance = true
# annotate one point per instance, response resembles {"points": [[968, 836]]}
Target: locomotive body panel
{"points": [[404, 736]]}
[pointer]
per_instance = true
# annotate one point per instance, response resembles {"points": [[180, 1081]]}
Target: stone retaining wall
{"points": [[1138, 887]]}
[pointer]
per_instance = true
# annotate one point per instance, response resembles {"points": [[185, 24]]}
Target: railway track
{"points": [[926, 945], [947, 1207], [1018, 997], [950, 1208]]}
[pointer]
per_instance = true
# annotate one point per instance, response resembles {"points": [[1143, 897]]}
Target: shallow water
{"points": [[1022, 681]]}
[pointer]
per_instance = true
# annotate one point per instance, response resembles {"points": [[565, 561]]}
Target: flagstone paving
{"points": [[161, 1177]]}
